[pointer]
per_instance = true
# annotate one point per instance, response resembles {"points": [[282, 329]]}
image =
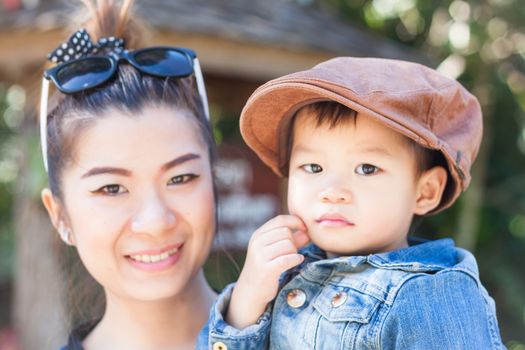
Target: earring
{"points": [[65, 233]]}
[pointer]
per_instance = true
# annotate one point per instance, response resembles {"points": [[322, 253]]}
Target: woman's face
{"points": [[138, 197]]}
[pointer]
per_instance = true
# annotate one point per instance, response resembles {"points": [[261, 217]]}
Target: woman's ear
{"points": [[52, 205], [430, 188], [56, 214]]}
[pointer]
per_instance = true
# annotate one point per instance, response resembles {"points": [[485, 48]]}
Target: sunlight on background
{"points": [[453, 66], [521, 140], [16, 99], [392, 8], [13, 117], [517, 226], [412, 23], [459, 35]]}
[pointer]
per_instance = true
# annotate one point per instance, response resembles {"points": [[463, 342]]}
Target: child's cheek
{"points": [[297, 203]]}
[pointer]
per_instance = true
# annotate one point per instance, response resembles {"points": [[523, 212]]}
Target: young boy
{"points": [[368, 145]]}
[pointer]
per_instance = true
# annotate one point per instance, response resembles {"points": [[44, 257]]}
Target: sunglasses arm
{"points": [[200, 86], [43, 119]]}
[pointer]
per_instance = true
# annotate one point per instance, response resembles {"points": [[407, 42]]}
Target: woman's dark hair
{"points": [[128, 91]]}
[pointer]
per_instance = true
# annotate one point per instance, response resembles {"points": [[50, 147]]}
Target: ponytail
{"points": [[108, 18]]}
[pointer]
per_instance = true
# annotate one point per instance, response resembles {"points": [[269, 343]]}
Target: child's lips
{"points": [[334, 220]]}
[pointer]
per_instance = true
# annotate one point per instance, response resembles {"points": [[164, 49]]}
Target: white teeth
{"points": [[154, 258]]}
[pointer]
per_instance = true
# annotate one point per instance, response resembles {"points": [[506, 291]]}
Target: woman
{"points": [[129, 153]]}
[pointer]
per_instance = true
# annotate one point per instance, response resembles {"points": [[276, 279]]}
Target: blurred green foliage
{"points": [[482, 44], [11, 104]]}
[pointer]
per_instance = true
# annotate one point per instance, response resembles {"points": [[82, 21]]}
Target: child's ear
{"points": [[430, 187]]}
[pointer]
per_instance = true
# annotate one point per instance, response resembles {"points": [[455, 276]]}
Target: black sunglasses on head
{"points": [[91, 71]]}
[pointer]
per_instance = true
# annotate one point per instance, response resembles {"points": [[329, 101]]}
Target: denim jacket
{"points": [[426, 296]]}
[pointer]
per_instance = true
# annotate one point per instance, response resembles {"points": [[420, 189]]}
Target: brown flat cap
{"points": [[414, 100]]}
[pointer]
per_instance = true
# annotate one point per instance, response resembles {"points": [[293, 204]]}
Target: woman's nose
{"points": [[153, 216]]}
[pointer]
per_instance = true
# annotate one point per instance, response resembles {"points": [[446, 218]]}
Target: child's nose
{"points": [[153, 216], [336, 194]]}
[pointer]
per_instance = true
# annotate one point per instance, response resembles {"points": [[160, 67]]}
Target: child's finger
{"points": [[279, 248], [286, 262], [291, 221], [300, 238], [272, 236]]}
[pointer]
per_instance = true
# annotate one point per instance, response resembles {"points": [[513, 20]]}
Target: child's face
{"points": [[355, 185]]}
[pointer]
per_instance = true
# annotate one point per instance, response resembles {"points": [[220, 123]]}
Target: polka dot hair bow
{"points": [[80, 44]]}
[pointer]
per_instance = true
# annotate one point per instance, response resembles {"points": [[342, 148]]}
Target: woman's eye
{"points": [[366, 169], [110, 190], [312, 168], [181, 179]]}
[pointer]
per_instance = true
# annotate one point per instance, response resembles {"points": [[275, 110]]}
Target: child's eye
{"points": [[312, 168], [110, 190], [181, 179], [366, 169]]}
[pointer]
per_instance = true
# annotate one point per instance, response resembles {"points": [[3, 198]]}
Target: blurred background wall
{"points": [[242, 44]]}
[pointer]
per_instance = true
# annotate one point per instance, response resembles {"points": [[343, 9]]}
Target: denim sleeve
{"points": [[447, 310], [217, 330]]}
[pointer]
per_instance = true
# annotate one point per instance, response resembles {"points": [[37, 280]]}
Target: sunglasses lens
{"points": [[164, 62], [84, 74]]}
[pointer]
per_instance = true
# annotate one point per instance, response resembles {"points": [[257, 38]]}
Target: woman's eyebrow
{"points": [[106, 170], [124, 172]]}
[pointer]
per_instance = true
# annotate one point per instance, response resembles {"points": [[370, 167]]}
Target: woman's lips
{"points": [[154, 260], [334, 220]]}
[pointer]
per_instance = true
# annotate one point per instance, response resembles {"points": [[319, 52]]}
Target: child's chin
{"points": [[332, 247]]}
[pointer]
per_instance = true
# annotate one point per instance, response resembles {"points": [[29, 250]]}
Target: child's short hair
{"points": [[332, 114], [434, 111]]}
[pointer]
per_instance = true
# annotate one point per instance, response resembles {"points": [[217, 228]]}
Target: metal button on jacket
{"points": [[296, 298], [219, 346], [339, 299]]}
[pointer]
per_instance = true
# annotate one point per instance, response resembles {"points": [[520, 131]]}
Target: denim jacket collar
{"points": [[420, 256]]}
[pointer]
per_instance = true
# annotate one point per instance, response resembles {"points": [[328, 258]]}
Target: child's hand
{"points": [[272, 250]]}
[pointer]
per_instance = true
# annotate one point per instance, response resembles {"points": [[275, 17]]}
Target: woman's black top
{"points": [[77, 336]]}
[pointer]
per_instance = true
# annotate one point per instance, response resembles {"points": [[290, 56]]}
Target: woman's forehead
{"points": [[157, 133]]}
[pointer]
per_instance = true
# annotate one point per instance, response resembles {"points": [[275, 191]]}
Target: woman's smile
{"points": [[155, 260]]}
